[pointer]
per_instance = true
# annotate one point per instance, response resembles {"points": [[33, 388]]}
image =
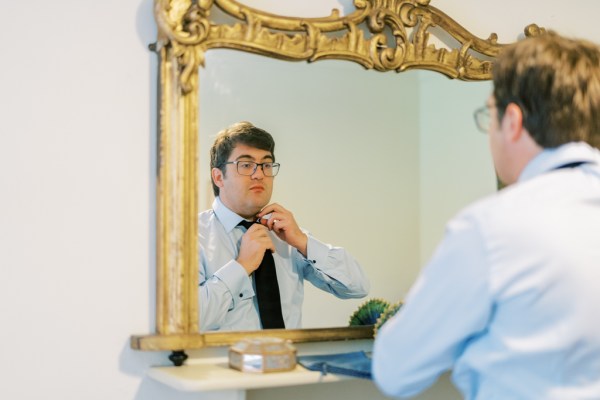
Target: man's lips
{"points": [[257, 188]]}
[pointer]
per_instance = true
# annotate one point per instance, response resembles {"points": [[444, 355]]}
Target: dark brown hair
{"points": [[239, 133], [556, 83]]}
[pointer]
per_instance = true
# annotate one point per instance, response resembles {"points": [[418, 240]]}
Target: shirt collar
{"points": [[228, 218], [553, 158]]}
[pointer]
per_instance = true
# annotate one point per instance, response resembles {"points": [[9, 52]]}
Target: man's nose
{"points": [[257, 174]]}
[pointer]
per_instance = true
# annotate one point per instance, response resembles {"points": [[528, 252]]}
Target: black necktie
{"points": [[267, 290], [572, 165]]}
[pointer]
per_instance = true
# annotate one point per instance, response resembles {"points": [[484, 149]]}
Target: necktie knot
{"points": [[246, 224]]}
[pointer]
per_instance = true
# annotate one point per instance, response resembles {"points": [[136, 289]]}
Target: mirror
{"points": [[382, 36], [351, 145]]}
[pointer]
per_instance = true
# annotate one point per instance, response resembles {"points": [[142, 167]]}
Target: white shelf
{"points": [[215, 374], [208, 370]]}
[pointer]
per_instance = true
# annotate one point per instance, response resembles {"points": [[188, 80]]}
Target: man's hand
{"points": [[252, 249], [282, 222]]}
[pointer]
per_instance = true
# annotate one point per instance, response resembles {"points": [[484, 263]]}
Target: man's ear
{"points": [[217, 177], [513, 122]]}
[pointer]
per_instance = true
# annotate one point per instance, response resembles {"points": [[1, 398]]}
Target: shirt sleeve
{"points": [[221, 292], [334, 270], [449, 304]]}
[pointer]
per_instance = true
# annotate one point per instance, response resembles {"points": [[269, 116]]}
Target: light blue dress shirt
{"points": [[511, 298], [227, 300]]}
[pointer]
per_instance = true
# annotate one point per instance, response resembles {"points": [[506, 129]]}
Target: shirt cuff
{"points": [[316, 251], [234, 276]]}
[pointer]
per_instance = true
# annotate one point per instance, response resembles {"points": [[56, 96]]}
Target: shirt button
{"points": [[241, 295]]}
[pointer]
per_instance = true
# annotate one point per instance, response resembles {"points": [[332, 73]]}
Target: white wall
{"points": [[77, 159], [454, 156], [77, 128]]}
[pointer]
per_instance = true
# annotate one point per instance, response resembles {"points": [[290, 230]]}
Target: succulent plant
{"points": [[368, 312], [386, 315]]}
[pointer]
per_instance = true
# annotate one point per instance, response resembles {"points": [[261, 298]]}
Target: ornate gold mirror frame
{"points": [[385, 35]]}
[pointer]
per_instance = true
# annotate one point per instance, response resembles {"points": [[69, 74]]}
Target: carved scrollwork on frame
{"points": [[384, 35]]}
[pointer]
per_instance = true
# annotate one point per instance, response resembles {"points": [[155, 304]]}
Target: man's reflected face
{"points": [[245, 195]]}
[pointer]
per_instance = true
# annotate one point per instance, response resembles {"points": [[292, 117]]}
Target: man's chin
{"points": [[255, 208]]}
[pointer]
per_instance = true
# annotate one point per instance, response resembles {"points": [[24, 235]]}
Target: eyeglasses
{"points": [[248, 168], [482, 119]]}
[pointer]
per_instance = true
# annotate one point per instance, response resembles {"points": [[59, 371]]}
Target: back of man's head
{"points": [[239, 133], [556, 83]]}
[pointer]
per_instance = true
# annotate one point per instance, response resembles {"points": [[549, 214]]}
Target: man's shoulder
{"points": [[207, 212], [206, 216], [512, 203]]}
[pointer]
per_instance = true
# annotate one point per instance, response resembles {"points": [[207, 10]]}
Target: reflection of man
{"points": [[243, 169], [510, 300]]}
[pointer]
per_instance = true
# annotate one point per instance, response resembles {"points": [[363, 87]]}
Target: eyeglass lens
{"points": [[249, 168], [482, 119]]}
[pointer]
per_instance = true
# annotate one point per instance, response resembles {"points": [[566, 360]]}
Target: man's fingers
{"points": [[278, 225]]}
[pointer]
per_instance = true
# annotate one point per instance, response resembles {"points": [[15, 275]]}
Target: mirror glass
{"points": [[373, 162]]}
